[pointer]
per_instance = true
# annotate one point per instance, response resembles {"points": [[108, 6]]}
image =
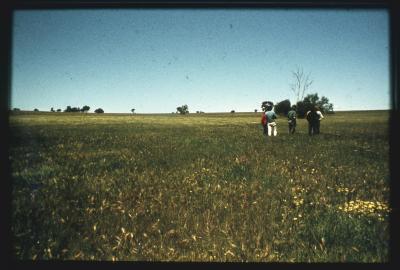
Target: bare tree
{"points": [[302, 83]]}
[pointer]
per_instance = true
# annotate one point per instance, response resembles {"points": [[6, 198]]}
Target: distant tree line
{"points": [[305, 105], [84, 109], [282, 107], [70, 109], [301, 85], [77, 109]]}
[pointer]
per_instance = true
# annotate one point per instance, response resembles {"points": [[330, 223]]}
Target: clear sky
{"points": [[213, 60]]}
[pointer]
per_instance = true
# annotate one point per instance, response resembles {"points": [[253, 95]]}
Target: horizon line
{"points": [[202, 112]]}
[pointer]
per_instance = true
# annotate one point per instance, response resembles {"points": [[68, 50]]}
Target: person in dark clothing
{"points": [[292, 119], [313, 121]]}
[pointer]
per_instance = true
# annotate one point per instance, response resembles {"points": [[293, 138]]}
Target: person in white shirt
{"points": [[319, 120], [272, 129], [314, 121]]}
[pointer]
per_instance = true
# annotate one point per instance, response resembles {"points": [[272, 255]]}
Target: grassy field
{"points": [[199, 187]]}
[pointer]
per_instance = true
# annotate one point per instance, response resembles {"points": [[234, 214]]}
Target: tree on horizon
{"points": [[85, 108], [312, 100], [184, 109]]}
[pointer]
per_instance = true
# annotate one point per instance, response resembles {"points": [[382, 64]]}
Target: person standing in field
{"points": [[271, 116], [319, 119], [264, 123], [292, 119], [313, 119]]}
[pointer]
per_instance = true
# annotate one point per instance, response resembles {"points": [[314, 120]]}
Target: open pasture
{"points": [[199, 187]]}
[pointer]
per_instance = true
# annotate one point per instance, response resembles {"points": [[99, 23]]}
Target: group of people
{"points": [[314, 116]]}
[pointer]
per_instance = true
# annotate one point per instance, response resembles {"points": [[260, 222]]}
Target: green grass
{"points": [[198, 187]]}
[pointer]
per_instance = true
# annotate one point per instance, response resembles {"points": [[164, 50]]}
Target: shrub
{"points": [[283, 107]]}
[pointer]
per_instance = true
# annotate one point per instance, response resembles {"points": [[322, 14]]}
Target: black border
{"points": [[5, 88], [394, 132], [6, 14]]}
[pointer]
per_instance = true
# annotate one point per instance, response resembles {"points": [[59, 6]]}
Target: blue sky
{"points": [[213, 60]]}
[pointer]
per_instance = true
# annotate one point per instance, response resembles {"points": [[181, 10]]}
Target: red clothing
{"points": [[264, 119]]}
